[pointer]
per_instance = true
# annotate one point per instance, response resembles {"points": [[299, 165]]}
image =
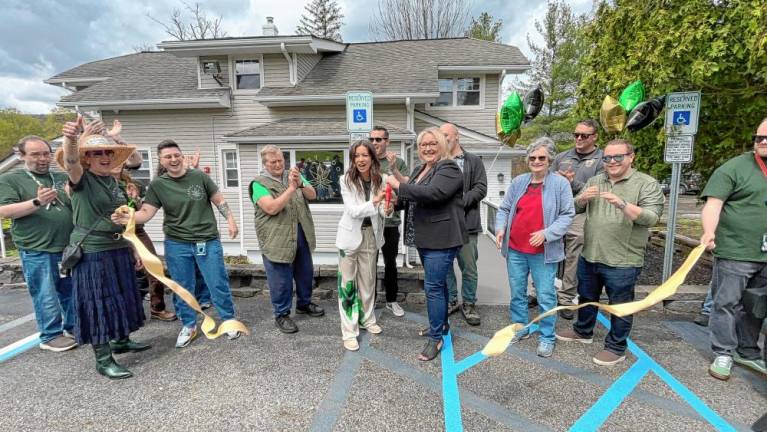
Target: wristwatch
{"points": [[36, 202], [622, 205]]}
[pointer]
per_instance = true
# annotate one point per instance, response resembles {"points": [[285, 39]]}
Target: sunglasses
{"points": [[584, 136], [616, 158], [758, 138], [377, 139], [99, 153], [539, 158]]}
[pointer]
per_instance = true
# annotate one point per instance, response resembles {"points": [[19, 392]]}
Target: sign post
{"points": [[682, 112]]}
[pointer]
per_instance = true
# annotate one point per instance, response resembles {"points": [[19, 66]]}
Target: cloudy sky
{"points": [[41, 38]]}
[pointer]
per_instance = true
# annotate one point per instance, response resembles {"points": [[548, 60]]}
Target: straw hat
{"points": [[98, 142]]}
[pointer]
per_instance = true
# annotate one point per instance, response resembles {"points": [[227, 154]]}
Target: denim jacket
{"points": [[558, 213]]}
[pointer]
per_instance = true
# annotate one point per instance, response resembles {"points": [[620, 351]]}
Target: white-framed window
{"points": [[247, 73], [231, 171], [143, 174], [459, 92], [322, 167]]}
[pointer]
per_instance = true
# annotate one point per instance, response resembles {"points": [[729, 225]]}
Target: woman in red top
{"points": [[536, 212]]}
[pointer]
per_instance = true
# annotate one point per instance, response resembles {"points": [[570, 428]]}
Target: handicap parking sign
{"points": [[681, 118], [360, 116]]}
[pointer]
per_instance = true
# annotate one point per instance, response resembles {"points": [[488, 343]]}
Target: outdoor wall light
{"points": [[211, 67], [500, 177]]}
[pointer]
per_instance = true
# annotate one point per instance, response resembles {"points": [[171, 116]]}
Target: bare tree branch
{"points": [[420, 19], [197, 26]]}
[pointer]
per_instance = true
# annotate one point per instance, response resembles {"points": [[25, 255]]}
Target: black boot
{"points": [[106, 364], [125, 345]]}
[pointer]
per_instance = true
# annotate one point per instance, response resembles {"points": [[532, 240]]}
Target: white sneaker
{"points": [[186, 336], [374, 329], [395, 308], [351, 344], [232, 335]]}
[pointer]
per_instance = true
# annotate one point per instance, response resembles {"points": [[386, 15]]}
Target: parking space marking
{"points": [[17, 322], [19, 347]]}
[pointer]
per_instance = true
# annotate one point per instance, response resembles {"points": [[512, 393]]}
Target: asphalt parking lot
{"points": [[307, 382]]}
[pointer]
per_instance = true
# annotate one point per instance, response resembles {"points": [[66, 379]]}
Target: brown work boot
{"points": [[58, 344], [608, 358], [569, 335], [163, 315]]}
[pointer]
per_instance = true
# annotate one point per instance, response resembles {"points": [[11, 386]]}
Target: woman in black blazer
{"points": [[434, 224]]}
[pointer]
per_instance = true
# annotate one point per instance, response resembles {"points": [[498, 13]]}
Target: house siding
{"points": [[275, 69], [305, 64], [480, 119]]}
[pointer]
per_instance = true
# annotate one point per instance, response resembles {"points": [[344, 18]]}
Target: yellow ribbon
{"points": [[154, 266], [502, 338]]}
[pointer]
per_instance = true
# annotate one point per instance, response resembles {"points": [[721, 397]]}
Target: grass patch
{"points": [[687, 227], [236, 259]]}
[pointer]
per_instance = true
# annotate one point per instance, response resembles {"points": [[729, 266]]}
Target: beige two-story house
{"points": [[229, 97]]}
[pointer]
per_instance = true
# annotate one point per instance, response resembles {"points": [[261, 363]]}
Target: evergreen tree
{"points": [[484, 27], [323, 19]]}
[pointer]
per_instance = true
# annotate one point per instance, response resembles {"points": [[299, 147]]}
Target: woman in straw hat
{"points": [[108, 305]]}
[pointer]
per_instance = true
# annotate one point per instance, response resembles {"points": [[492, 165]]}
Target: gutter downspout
{"points": [[291, 64], [409, 125], [500, 89]]}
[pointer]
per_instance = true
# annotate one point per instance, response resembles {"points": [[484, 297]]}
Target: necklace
{"points": [[53, 186]]}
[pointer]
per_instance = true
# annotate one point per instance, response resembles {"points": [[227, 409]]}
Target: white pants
{"points": [[356, 286]]}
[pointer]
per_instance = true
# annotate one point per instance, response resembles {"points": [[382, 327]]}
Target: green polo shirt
{"points": [[48, 228], [394, 220], [610, 237], [743, 220]]}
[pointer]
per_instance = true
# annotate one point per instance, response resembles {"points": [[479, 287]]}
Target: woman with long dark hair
{"points": [[360, 235]]}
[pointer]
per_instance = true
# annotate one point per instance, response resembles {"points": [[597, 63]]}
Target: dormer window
{"points": [[247, 74], [459, 92]]}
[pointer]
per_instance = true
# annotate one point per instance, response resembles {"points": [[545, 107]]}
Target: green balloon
{"points": [[512, 113], [632, 95]]}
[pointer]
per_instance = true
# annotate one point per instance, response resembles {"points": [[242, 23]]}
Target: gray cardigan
{"points": [[558, 213]]}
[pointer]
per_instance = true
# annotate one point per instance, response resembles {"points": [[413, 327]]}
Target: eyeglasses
{"points": [[539, 158], [578, 135], [428, 144], [617, 158], [377, 139], [99, 153], [759, 138]]}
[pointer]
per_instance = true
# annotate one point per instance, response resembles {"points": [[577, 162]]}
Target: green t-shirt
{"points": [[186, 203], [394, 220], [48, 228], [259, 191], [94, 199], [743, 220]]}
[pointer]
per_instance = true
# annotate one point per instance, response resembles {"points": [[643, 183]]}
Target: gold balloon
{"points": [[612, 115], [510, 138]]}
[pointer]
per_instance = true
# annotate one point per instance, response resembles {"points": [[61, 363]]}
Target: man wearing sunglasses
{"points": [[577, 165], [395, 166], [734, 222], [620, 204]]}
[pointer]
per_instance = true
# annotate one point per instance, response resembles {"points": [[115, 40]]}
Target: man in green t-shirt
{"points": [[734, 222], [191, 234], [34, 198], [395, 166]]}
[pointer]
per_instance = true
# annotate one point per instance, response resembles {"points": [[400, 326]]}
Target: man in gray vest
{"points": [[285, 231], [577, 165], [35, 200], [474, 191]]}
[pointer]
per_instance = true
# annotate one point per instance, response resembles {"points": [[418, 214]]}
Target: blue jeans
{"points": [[201, 291], [51, 294], [619, 283], [280, 276], [519, 265], [436, 263], [708, 303], [182, 260]]}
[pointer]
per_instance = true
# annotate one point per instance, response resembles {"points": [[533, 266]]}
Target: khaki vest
{"points": [[278, 234]]}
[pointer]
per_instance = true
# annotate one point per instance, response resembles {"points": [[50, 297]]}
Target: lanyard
{"points": [[761, 164], [53, 185]]}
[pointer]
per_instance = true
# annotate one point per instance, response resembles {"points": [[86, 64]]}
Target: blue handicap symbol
{"points": [[682, 118], [359, 116]]}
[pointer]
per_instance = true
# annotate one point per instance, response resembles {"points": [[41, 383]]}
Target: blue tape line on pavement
{"points": [[32, 342], [701, 408], [469, 362], [451, 399], [593, 419]]}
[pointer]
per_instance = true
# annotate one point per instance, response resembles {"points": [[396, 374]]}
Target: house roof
{"points": [[398, 68], [409, 66], [149, 76], [312, 129]]}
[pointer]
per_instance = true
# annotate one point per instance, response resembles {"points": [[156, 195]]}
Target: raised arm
{"points": [[72, 166]]}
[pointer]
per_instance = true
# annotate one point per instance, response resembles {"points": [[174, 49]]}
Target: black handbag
{"points": [[73, 253]]}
